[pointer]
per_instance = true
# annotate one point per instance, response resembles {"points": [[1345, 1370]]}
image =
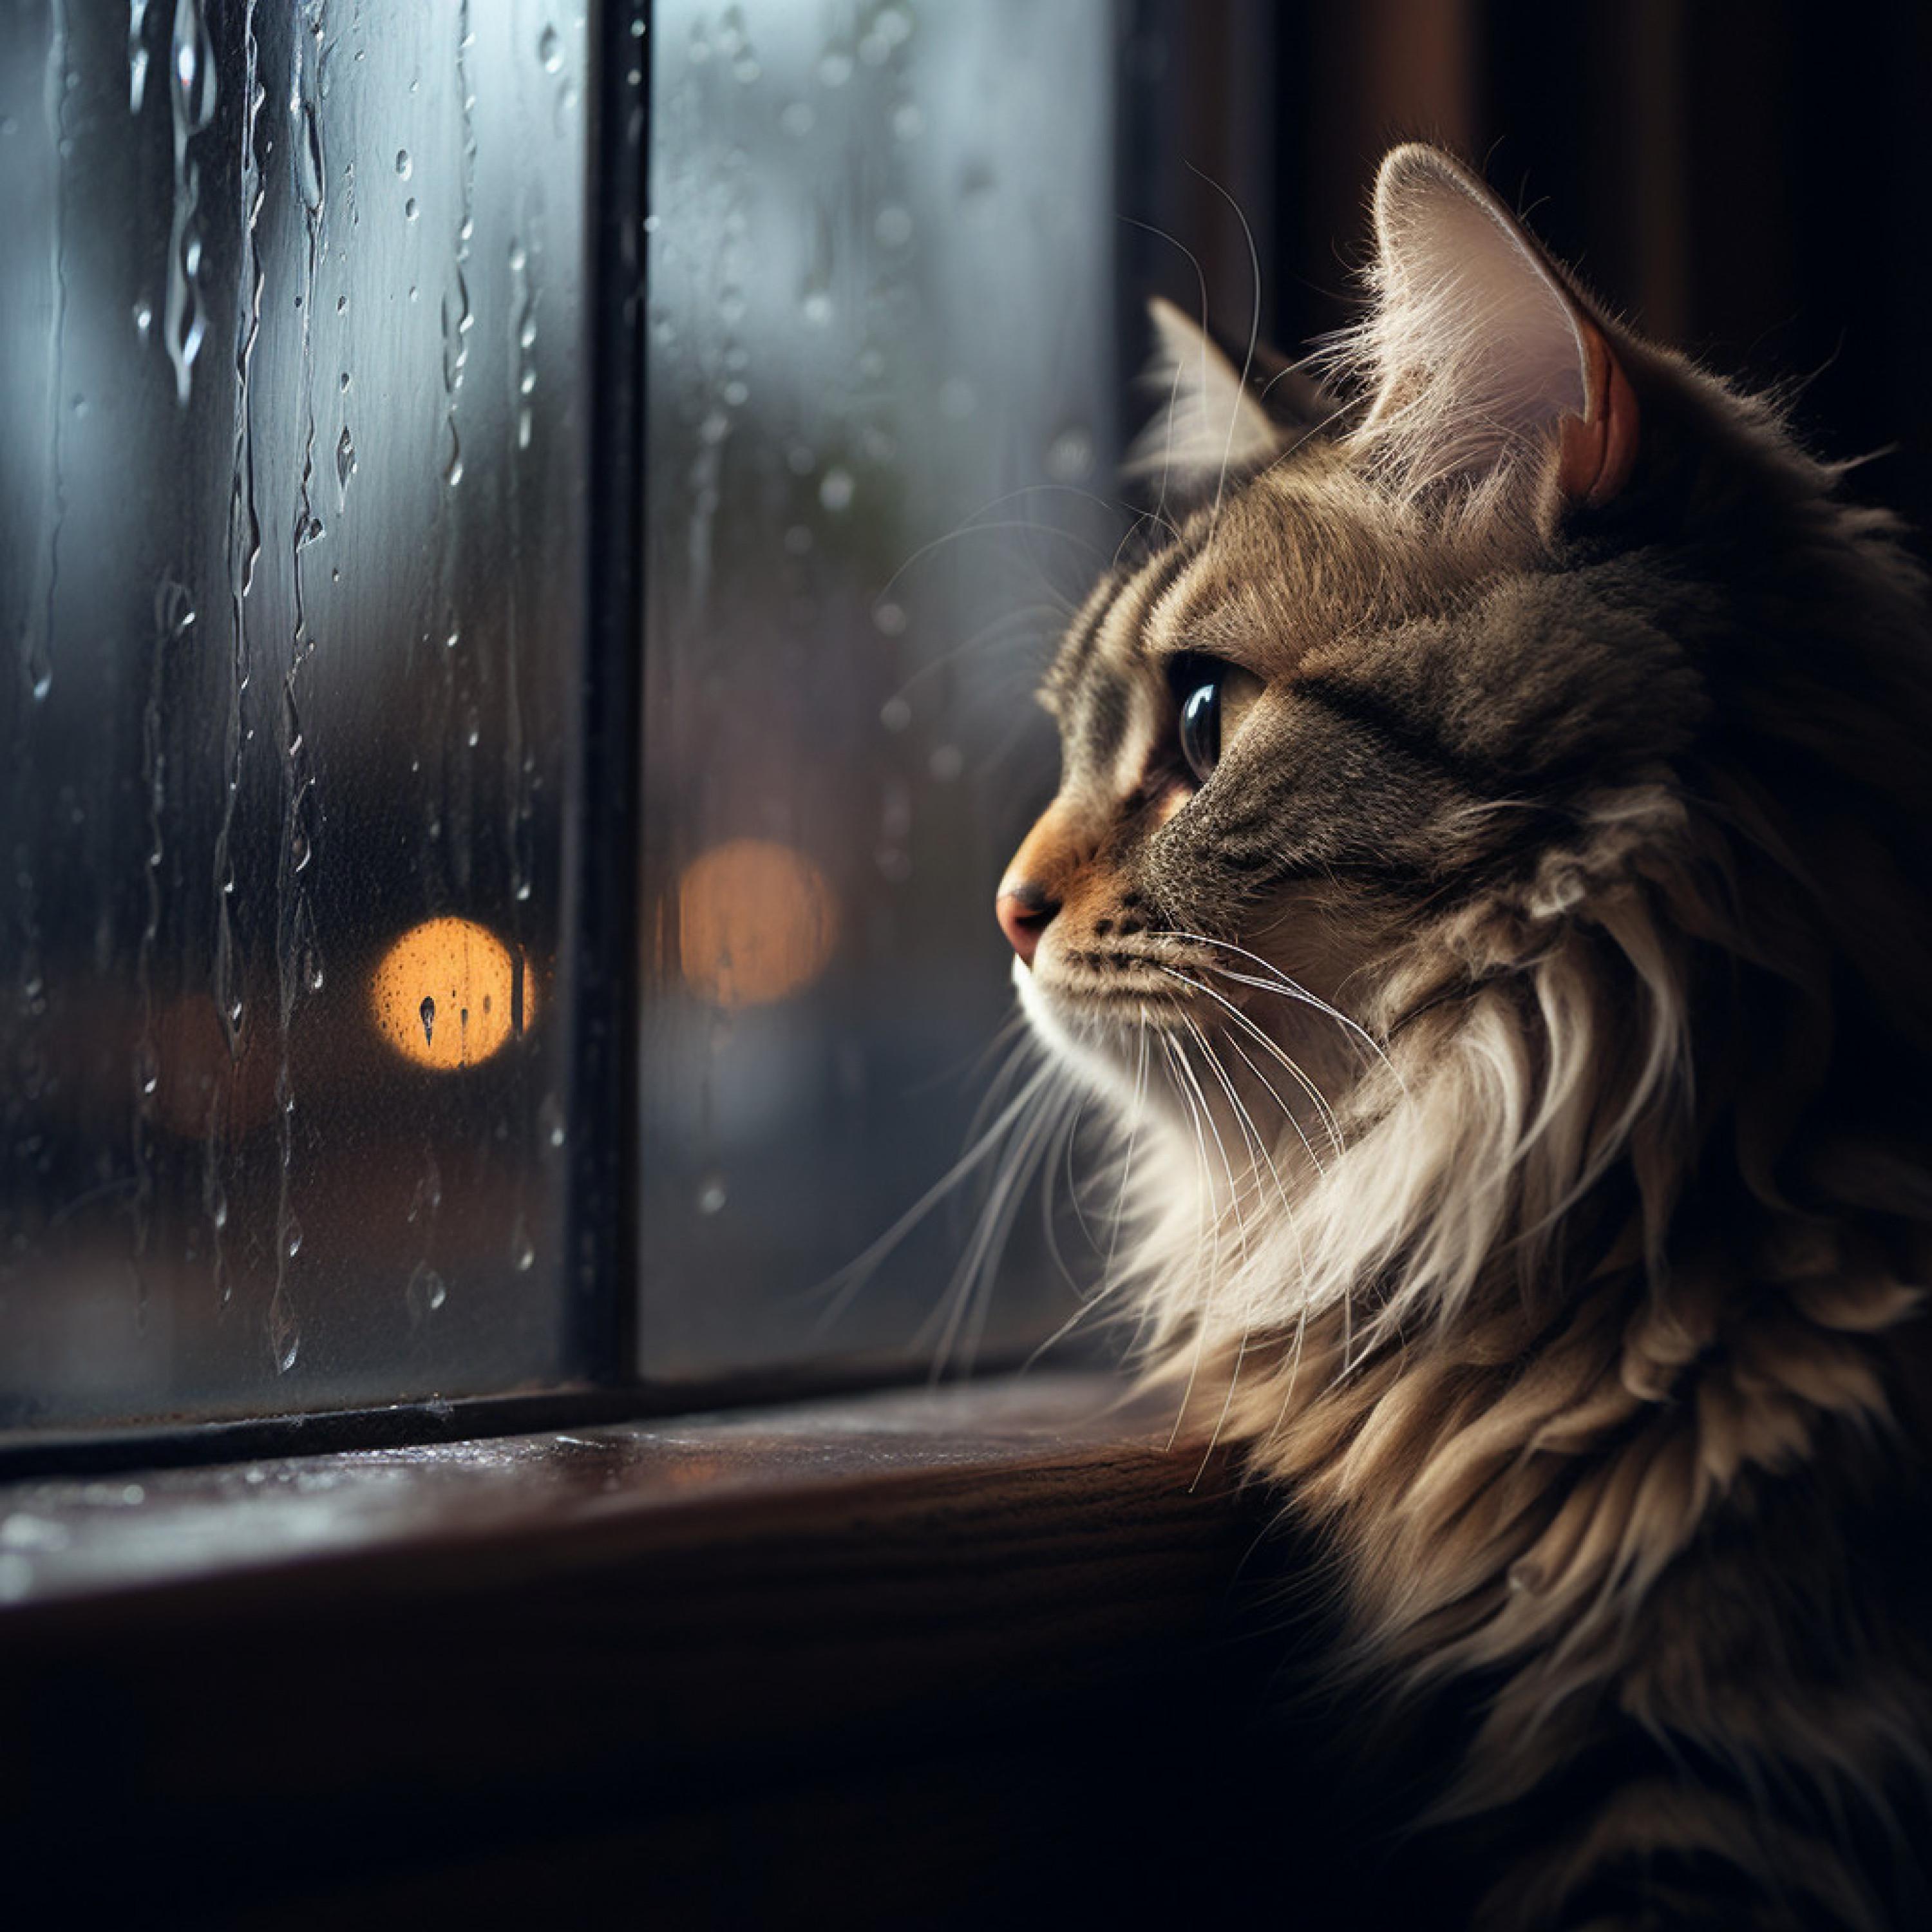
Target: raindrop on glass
{"points": [[428, 1011], [1069, 457], [835, 489]]}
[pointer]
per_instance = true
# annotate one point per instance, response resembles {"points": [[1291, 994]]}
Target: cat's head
{"points": [[1438, 759]]}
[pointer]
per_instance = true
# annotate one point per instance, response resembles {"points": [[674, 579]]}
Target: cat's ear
{"points": [[1479, 351], [1210, 422]]}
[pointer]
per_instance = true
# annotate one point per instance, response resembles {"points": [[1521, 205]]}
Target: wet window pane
{"points": [[880, 430], [293, 399]]}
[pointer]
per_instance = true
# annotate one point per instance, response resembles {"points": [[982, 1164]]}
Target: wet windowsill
{"points": [[511, 1623]]}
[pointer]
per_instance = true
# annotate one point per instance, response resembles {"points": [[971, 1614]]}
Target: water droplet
{"points": [[550, 1121], [410, 211], [947, 763], [817, 308], [292, 1240], [908, 121], [798, 120], [424, 1292], [144, 318], [428, 1010], [798, 540], [835, 69], [895, 714], [522, 1250], [405, 167], [40, 667], [835, 489], [345, 461], [1069, 457], [550, 50], [893, 25], [889, 618], [711, 1193], [956, 399], [342, 304]]}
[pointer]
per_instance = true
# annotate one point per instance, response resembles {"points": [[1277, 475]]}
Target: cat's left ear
{"points": [[1214, 420], [1480, 351]]}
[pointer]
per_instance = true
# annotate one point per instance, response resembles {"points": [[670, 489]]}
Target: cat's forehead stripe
{"points": [[1120, 629]]}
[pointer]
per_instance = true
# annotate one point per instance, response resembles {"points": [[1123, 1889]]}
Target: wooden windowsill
{"points": [[440, 1658]]}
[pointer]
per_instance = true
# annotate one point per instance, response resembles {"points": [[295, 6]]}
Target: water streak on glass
{"points": [[281, 694]]}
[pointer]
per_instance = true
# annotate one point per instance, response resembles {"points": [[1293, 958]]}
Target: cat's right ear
{"points": [[1213, 421]]}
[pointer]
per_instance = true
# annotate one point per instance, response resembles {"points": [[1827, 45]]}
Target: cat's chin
{"points": [[1103, 1042]]}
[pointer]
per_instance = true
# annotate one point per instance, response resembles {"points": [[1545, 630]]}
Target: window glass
{"points": [[293, 397], [881, 435]]}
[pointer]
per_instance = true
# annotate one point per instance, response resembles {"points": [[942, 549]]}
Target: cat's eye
{"points": [[1213, 697]]}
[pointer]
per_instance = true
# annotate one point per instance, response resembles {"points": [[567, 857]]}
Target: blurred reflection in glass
{"points": [[880, 425]]}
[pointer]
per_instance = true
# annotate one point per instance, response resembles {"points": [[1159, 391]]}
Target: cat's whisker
{"points": [[1281, 983], [851, 1280], [1287, 1112], [1039, 619], [1109, 1280], [1170, 414], [1254, 336], [1221, 1146], [1007, 526], [1246, 1121], [1323, 1111], [990, 1236], [1209, 1230]]}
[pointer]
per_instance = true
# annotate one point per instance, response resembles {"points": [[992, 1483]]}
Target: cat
{"points": [[1489, 892]]}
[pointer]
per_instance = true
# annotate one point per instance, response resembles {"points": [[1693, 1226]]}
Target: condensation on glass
{"points": [[292, 515], [881, 431]]}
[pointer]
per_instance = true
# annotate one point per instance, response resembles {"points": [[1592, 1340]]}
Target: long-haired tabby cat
{"points": [[1490, 883]]}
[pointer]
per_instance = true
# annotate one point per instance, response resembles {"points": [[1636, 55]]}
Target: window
{"points": [[321, 598]]}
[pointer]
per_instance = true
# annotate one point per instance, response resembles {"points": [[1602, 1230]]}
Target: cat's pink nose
{"points": [[1024, 911]]}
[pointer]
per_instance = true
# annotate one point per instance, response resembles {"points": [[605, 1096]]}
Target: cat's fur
{"points": [[1578, 853]]}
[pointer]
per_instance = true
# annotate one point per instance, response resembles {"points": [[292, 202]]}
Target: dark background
{"points": [[1744, 182]]}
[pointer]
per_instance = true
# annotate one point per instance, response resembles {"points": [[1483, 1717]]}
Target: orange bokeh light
{"points": [[450, 994], [756, 921]]}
